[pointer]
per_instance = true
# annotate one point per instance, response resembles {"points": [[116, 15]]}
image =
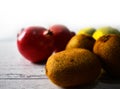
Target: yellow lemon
{"points": [[103, 31]]}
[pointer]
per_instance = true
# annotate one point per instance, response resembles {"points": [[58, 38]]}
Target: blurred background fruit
{"points": [[87, 30], [61, 36]]}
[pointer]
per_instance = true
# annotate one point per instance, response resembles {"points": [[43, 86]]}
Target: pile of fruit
{"points": [[72, 59]]}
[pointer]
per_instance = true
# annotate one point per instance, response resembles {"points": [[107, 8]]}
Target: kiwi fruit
{"points": [[81, 41], [107, 48], [73, 67]]}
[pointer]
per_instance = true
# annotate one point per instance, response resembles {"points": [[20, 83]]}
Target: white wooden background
{"points": [[18, 73]]}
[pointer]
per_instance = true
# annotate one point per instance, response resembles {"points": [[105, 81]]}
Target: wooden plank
{"points": [[27, 84], [46, 84]]}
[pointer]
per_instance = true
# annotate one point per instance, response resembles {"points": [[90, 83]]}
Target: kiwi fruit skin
{"points": [[81, 41], [73, 67], [107, 48]]}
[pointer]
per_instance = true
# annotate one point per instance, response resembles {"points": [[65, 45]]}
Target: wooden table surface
{"points": [[18, 73]]}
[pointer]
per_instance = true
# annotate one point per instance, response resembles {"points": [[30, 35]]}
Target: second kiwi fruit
{"points": [[81, 41], [107, 48]]}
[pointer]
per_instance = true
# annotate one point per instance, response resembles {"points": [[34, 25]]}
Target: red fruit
{"points": [[35, 44], [61, 35]]}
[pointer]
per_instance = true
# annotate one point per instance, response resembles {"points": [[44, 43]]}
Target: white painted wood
{"points": [[18, 73]]}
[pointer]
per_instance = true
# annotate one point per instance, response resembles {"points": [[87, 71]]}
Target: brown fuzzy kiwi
{"points": [[107, 48], [73, 67], [81, 41]]}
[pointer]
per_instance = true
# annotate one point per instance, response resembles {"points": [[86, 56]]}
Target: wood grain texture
{"points": [[18, 73]]}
